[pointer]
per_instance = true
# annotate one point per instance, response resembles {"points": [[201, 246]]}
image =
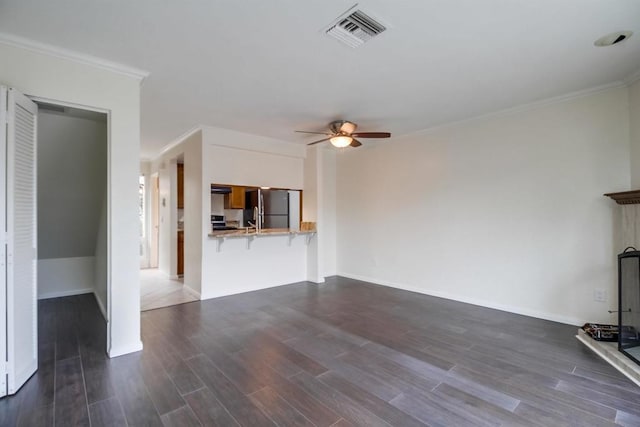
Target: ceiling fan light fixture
{"points": [[348, 127], [341, 141]]}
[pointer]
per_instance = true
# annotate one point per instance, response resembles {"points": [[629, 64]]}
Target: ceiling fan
{"points": [[343, 133]]}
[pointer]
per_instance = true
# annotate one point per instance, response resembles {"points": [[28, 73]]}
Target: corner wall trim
{"points": [[192, 291], [101, 306], [48, 295], [573, 321], [177, 141], [632, 78]]}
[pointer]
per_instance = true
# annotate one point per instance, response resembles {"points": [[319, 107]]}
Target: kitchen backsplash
{"points": [[233, 215]]}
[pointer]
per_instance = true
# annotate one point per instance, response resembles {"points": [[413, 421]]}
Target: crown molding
{"points": [[522, 108], [273, 146], [253, 142], [499, 113], [632, 78], [177, 141], [70, 55]]}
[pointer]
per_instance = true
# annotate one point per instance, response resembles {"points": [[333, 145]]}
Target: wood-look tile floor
{"points": [[157, 290], [343, 353]]}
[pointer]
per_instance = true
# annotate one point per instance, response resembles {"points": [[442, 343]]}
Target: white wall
{"points": [[165, 218], [269, 261], [319, 206], [222, 156], [311, 210], [327, 195], [235, 158], [189, 151], [60, 277], [56, 78], [194, 206], [145, 171], [101, 273], [72, 178], [505, 211], [72, 183], [634, 133]]}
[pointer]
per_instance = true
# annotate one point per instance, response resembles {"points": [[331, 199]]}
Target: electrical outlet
{"points": [[600, 295]]}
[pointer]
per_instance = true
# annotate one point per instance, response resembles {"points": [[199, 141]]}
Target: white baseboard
{"points": [[20, 376], [243, 291], [59, 277], [121, 351], [474, 301], [59, 294]]}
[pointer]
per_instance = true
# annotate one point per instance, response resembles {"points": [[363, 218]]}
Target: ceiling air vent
{"points": [[355, 28]]}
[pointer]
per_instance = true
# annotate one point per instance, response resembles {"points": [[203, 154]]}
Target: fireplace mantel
{"points": [[626, 197]]}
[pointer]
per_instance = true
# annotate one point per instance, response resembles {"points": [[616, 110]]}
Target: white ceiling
{"points": [[265, 67]]}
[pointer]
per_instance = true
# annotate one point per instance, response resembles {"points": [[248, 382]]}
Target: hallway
{"points": [[157, 290]]}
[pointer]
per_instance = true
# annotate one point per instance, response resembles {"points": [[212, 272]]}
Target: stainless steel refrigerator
{"points": [[275, 205]]}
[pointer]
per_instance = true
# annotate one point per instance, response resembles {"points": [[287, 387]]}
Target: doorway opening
{"points": [[142, 208], [72, 184], [155, 221], [162, 284]]}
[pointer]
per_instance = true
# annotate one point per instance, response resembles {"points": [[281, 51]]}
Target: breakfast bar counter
{"points": [[248, 232], [251, 233]]}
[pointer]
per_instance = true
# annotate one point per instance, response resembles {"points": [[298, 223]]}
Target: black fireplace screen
{"points": [[629, 303]]}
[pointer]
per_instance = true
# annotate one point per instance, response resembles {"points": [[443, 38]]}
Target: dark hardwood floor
{"points": [[344, 353]]}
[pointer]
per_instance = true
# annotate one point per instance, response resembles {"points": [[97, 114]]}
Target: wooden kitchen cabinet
{"points": [[235, 199], [180, 252], [180, 186]]}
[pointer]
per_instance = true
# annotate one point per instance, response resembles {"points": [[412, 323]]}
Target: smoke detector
{"points": [[354, 28], [613, 38]]}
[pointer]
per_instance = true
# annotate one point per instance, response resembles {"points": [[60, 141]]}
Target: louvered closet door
{"points": [[22, 309]]}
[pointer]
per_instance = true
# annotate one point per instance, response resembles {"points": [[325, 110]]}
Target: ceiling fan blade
{"points": [[355, 143], [318, 142], [314, 133], [371, 134]]}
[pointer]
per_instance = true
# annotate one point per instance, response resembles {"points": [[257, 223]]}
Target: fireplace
{"points": [[625, 354], [629, 303], [629, 275]]}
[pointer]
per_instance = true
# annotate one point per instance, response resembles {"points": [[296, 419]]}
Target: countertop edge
{"points": [[236, 234]]}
